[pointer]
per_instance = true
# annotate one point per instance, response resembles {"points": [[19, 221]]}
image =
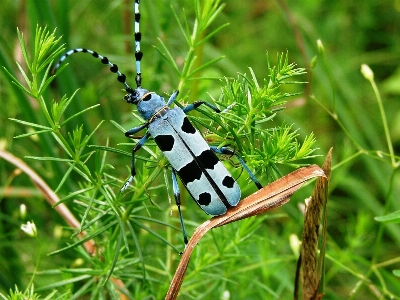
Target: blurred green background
{"points": [[361, 252]]}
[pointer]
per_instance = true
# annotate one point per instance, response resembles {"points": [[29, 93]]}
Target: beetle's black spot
{"points": [[147, 97], [190, 172], [208, 159], [228, 181], [187, 126], [204, 199], [95, 54], [165, 142]]}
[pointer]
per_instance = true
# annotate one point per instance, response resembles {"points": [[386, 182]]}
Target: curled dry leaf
{"points": [[268, 198]]}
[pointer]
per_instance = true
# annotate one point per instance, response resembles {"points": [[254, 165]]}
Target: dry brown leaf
{"points": [[268, 198]]}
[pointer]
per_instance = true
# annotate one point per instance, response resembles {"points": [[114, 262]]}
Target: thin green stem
{"points": [[382, 226], [384, 123], [338, 121], [350, 158]]}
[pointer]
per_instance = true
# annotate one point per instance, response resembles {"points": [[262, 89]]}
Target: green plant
{"points": [[113, 220], [245, 260]]}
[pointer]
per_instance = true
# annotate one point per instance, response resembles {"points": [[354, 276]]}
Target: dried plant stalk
{"points": [[315, 210]]}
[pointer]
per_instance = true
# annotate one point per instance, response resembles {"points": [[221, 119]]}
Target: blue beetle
{"points": [[191, 158]]}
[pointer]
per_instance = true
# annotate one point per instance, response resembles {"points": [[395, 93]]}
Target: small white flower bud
{"points": [[367, 72], [30, 229]]}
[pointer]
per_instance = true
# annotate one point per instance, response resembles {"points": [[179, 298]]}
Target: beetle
{"points": [[191, 158]]}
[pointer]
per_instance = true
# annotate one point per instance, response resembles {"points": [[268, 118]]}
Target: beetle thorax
{"points": [[148, 103]]}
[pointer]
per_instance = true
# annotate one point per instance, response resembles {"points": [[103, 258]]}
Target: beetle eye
{"points": [[132, 97]]}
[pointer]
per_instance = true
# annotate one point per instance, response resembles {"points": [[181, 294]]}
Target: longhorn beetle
{"points": [[191, 158]]}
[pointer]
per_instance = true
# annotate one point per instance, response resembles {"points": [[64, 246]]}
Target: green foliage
{"points": [[80, 154], [28, 294]]}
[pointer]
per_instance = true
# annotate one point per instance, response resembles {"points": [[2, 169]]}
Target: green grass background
{"points": [[251, 260]]}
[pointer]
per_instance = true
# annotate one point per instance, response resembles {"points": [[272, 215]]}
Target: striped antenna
{"points": [[138, 37], [114, 67], [103, 59]]}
